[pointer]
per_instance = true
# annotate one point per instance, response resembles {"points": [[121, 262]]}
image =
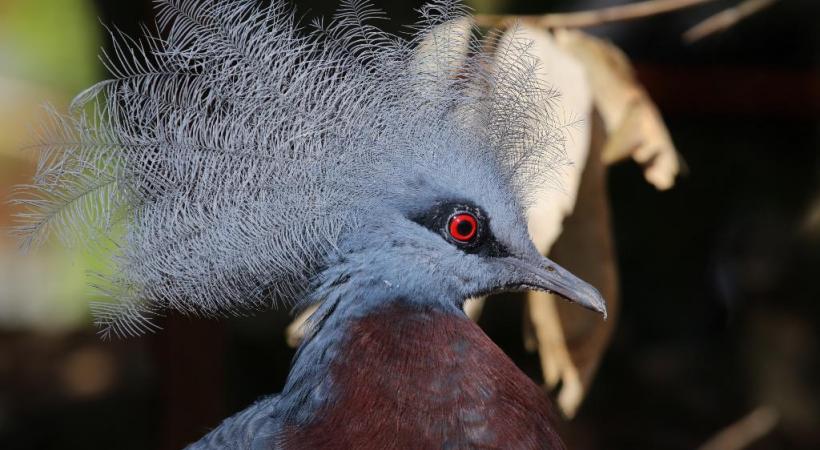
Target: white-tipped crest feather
{"points": [[235, 151]]}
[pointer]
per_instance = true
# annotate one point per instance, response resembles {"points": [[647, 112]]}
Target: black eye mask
{"points": [[464, 225]]}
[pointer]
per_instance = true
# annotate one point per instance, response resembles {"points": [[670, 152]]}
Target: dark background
{"points": [[719, 276]]}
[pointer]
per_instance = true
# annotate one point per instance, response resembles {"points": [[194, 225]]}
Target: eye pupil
{"points": [[463, 227]]}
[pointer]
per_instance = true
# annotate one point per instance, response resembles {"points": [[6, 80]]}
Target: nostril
{"points": [[550, 269]]}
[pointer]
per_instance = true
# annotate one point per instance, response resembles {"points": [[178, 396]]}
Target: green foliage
{"points": [[53, 42]]}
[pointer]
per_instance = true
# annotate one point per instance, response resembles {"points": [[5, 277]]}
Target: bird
{"points": [[237, 160]]}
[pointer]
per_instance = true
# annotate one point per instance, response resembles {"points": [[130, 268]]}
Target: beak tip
{"points": [[597, 303], [601, 309], [600, 304]]}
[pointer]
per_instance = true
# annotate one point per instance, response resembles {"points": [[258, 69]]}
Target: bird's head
{"points": [[448, 232]]}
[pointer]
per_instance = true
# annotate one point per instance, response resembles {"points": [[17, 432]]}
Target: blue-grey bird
{"points": [[238, 161]]}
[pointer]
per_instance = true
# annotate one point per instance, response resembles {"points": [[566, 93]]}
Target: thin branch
{"points": [[725, 19], [594, 17], [745, 431]]}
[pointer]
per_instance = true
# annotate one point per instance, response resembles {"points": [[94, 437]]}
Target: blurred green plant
{"points": [[48, 53], [51, 42]]}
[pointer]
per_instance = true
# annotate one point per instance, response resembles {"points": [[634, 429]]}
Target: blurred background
{"points": [[719, 276]]}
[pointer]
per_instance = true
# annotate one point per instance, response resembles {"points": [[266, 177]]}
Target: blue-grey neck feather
{"points": [[229, 159]]}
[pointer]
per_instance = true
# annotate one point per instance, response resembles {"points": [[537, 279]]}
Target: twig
{"points": [[745, 431], [594, 17], [725, 19]]}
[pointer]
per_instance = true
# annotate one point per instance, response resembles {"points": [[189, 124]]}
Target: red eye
{"points": [[463, 227]]}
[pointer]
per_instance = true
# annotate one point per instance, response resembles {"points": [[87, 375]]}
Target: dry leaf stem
{"points": [[725, 19], [593, 17], [745, 431]]}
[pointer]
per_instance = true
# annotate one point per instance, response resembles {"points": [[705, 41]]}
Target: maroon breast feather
{"points": [[408, 378]]}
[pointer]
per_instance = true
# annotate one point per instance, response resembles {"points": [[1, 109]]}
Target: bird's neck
{"points": [[410, 373]]}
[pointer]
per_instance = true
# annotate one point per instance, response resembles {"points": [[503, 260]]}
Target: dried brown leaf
{"points": [[586, 248], [632, 121]]}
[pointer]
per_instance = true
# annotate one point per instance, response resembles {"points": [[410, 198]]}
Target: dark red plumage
{"points": [[411, 378]]}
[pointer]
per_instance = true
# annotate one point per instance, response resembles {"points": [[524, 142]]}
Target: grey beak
{"points": [[540, 273]]}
